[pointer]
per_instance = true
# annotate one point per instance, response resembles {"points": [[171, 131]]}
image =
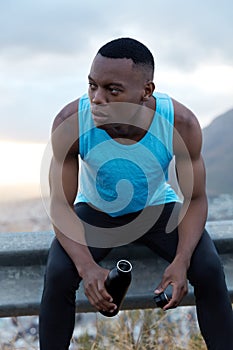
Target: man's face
{"points": [[116, 89]]}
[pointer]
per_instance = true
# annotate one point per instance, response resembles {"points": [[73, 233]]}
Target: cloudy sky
{"points": [[47, 47]]}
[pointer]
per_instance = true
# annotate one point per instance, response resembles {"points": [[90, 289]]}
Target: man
{"points": [[124, 135]]}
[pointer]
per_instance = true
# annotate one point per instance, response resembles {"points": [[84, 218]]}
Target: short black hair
{"points": [[128, 48]]}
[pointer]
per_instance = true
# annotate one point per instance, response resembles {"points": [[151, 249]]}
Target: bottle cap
{"points": [[124, 265]]}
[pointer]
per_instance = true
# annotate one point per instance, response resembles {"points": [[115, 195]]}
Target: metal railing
{"points": [[23, 258]]}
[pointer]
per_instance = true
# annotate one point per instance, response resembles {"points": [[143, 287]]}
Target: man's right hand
{"points": [[94, 287]]}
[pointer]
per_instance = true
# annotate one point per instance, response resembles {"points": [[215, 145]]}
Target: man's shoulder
{"points": [[187, 132], [65, 132], [184, 118], [69, 111]]}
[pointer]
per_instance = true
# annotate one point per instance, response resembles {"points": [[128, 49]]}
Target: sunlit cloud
{"points": [[20, 163]]}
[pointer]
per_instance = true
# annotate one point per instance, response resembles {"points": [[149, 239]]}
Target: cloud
{"points": [[49, 26], [183, 33], [47, 48]]}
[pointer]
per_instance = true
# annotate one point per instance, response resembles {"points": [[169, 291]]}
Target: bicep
{"points": [[63, 176], [190, 167], [191, 176], [70, 178], [63, 179]]}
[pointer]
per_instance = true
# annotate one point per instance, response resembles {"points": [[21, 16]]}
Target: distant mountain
{"points": [[218, 154]]}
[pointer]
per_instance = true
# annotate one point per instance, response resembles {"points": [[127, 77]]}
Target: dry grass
{"points": [[129, 330], [141, 330]]}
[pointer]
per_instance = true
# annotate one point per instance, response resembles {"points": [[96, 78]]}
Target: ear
{"points": [[149, 88]]}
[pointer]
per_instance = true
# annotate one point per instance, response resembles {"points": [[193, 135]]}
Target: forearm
{"points": [[192, 222], [79, 253], [69, 231]]}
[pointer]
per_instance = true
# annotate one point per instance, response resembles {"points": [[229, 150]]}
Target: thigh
{"points": [[162, 238], [102, 230], [205, 266], [89, 215], [61, 267]]}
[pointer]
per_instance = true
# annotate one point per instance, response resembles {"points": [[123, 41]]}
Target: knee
{"points": [[213, 269], [207, 272], [61, 275]]}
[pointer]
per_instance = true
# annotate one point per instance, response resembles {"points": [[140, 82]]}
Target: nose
{"points": [[98, 96]]}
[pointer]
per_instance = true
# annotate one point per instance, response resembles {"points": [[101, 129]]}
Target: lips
{"points": [[99, 112], [99, 119], [99, 116]]}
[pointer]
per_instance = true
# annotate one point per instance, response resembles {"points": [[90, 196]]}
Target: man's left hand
{"points": [[176, 276]]}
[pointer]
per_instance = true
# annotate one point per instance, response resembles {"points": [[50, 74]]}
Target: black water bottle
{"points": [[161, 299], [117, 284]]}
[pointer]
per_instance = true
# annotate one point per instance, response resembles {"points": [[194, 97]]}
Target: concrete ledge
{"points": [[23, 258]]}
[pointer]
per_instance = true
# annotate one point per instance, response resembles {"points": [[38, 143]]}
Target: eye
{"points": [[92, 86], [114, 90]]}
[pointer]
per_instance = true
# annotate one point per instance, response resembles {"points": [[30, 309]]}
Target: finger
{"points": [[104, 304], [97, 299], [161, 287], [172, 304], [92, 294], [103, 292], [175, 300], [101, 304]]}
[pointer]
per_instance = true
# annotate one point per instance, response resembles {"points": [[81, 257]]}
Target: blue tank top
{"points": [[120, 179]]}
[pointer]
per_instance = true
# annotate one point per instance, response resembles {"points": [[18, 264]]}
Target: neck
{"points": [[126, 134], [136, 130]]}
